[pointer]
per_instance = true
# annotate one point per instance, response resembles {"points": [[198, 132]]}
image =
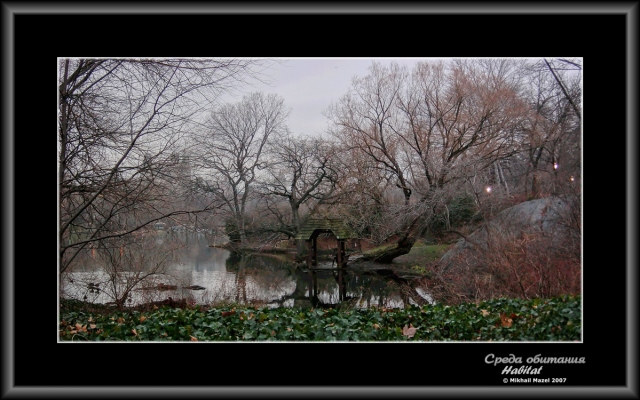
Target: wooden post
{"points": [[340, 285], [314, 249], [315, 284], [312, 259], [313, 288], [341, 256]]}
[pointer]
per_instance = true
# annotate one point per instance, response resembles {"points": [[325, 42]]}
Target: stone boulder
{"points": [[552, 217]]}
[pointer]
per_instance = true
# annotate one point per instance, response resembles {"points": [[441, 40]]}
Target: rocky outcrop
{"points": [[550, 216]]}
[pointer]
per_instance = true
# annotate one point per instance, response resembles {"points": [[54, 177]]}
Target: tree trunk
{"points": [[506, 186], [534, 185], [403, 246], [295, 213], [301, 247]]}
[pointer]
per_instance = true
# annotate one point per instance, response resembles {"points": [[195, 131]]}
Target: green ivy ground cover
{"points": [[556, 319]]}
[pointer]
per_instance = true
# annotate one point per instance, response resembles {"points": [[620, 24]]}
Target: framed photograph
{"points": [[328, 200]]}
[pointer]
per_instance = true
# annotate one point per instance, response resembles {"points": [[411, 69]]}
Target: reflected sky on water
{"points": [[225, 277]]}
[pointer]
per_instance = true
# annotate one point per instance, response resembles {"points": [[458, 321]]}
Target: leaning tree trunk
{"points": [[403, 246]]}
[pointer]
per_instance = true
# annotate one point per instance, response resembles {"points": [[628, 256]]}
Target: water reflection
{"points": [[224, 277]]}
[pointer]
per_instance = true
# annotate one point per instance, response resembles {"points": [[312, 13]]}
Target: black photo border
{"points": [[280, 389]]}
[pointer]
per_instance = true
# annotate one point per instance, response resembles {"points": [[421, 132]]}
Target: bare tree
{"points": [[367, 195], [302, 171], [367, 118], [551, 135], [426, 128], [232, 152], [121, 122]]}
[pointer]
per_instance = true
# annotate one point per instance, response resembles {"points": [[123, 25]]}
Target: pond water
{"points": [[184, 266]]}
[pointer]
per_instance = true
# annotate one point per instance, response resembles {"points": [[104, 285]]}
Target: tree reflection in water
{"points": [[256, 280]]}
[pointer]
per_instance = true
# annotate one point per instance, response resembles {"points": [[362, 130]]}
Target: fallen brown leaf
{"points": [[506, 321], [409, 331], [227, 313], [194, 339]]}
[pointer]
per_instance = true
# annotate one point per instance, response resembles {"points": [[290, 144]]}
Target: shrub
{"points": [[556, 319], [462, 210], [533, 265]]}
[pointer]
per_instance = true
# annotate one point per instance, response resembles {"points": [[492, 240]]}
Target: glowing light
{"points": [[571, 178], [488, 189], [555, 165]]}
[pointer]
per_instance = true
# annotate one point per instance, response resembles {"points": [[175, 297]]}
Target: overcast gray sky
{"points": [[310, 85]]}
